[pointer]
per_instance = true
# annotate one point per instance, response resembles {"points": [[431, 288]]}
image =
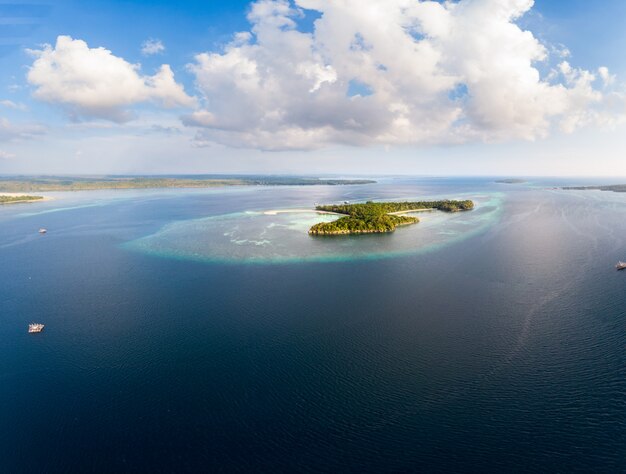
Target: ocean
{"points": [[191, 330]]}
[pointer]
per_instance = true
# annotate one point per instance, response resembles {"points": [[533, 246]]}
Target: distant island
{"points": [[511, 181], [379, 217], [81, 183], [13, 198], [616, 188]]}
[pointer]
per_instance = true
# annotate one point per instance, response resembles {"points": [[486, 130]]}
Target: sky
{"points": [[342, 87]]}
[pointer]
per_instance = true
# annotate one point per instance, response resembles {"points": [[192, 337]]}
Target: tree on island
{"points": [[378, 217], [4, 199]]}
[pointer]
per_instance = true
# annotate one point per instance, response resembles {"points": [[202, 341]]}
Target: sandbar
{"points": [[43, 198], [273, 212]]}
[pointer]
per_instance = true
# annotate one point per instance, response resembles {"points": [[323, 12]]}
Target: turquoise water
{"points": [[281, 237]]}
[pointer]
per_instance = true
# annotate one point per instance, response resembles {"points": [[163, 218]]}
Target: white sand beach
{"points": [[273, 212], [423, 209], [43, 198]]}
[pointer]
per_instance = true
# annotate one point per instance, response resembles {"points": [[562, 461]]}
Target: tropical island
{"points": [[15, 198], [616, 188], [379, 217], [25, 184], [511, 181]]}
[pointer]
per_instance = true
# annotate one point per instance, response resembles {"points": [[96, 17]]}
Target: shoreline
{"points": [[274, 212], [43, 198], [397, 213]]}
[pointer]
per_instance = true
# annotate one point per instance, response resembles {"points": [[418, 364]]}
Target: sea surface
{"points": [[193, 331]]}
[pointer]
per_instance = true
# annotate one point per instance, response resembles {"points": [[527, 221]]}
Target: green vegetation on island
{"points": [[511, 181], [4, 199], [379, 217], [616, 188], [88, 183]]}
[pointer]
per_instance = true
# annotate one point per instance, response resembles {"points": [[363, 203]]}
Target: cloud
{"points": [[4, 155], [10, 131], [9, 104], [92, 82], [435, 72], [607, 78], [152, 46]]}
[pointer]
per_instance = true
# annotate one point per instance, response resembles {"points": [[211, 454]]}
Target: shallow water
{"points": [[268, 237], [484, 341]]}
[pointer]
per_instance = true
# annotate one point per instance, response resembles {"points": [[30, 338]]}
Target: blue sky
{"points": [[431, 90]]}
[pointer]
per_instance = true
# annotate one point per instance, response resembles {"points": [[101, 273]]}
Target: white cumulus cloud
{"points": [[92, 82], [152, 46], [438, 72]]}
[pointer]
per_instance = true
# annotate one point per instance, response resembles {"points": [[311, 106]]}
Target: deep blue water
{"points": [[500, 350]]}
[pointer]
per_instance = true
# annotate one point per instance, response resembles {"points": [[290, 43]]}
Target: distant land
{"points": [[616, 188], [511, 181], [379, 217], [82, 183], [13, 199]]}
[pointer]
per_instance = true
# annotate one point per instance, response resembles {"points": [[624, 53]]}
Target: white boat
{"points": [[35, 327], [620, 265], [43, 231]]}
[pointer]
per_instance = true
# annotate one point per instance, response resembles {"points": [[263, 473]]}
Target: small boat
{"points": [[43, 231], [35, 327], [620, 265]]}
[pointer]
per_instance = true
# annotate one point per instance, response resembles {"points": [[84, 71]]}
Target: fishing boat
{"points": [[620, 265], [35, 327], [43, 231]]}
